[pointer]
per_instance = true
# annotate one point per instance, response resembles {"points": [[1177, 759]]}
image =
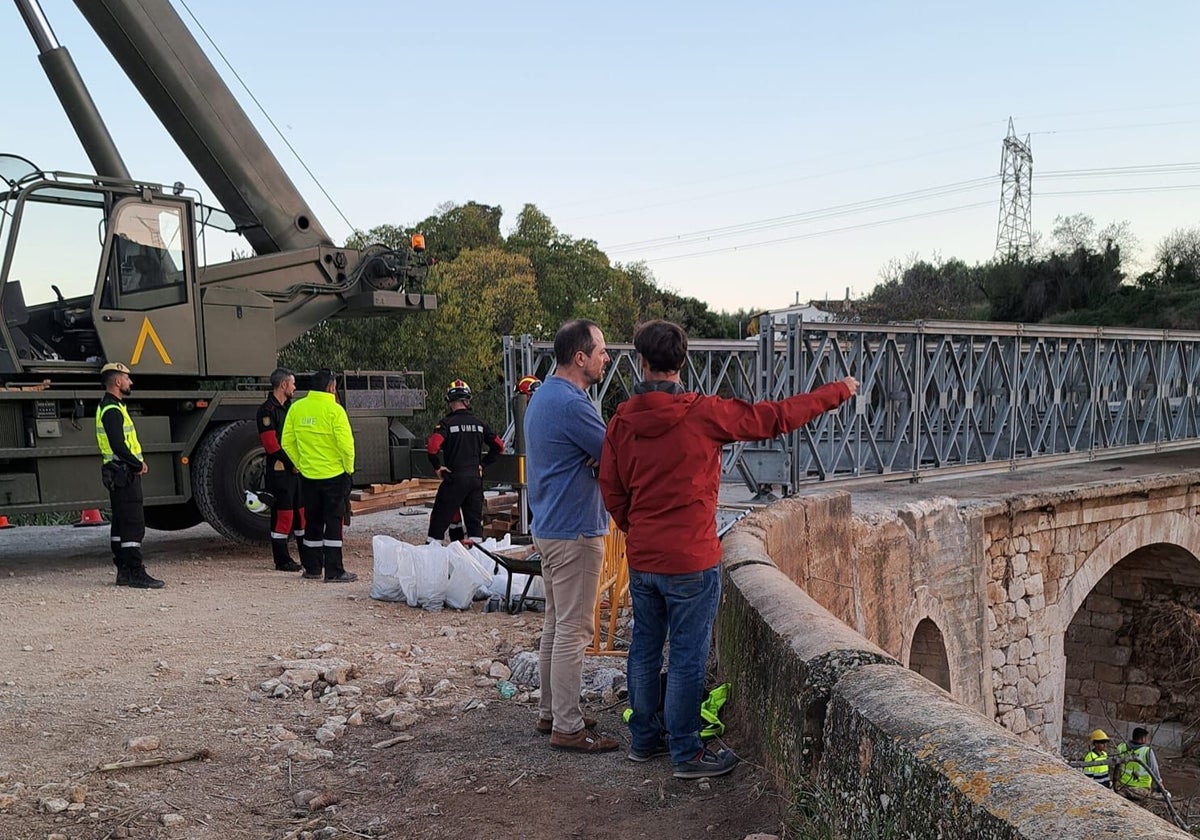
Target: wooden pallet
{"points": [[377, 497]]}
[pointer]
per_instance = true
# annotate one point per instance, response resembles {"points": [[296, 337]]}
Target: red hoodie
{"points": [[661, 468]]}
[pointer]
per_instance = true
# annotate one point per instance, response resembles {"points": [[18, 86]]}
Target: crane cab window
{"points": [[148, 258]]}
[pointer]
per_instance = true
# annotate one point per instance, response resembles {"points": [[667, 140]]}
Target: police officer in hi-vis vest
{"points": [[122, 474]]}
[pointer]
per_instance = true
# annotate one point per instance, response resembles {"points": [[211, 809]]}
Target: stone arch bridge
{"points": [[1019, 594]]}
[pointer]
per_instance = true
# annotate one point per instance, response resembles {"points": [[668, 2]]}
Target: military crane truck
{"points": [[102, 266]]}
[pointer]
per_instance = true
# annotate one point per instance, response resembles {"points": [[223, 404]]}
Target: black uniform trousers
{"points": [[458, 491], [324, 506], [287, 511], [128, 515]]}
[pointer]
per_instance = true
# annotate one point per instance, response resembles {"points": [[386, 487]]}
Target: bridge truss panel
{"points": [[935, 398]]}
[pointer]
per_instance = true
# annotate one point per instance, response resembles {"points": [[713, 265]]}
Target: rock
{"points": [[355, 719], [499, 671], [170, 820], [483, 682], [53, 805], [143, 743], [441, 687], [79, 793], [7, 800], [299, 677], [303, 664], [481, 666], [403, 720], [301, 798], [523, 669], [323, 648], [481, 789], [56, 837]]}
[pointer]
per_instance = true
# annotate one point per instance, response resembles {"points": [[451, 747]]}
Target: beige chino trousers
{"points": [[571, 573]]}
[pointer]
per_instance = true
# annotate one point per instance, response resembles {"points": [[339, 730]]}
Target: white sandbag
{"points": [[466, 577], [432, 564], [385, 580]]}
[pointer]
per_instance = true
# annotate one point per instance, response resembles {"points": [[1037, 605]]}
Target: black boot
{"points": [[122, 574], [283, 561], [139, 578]]}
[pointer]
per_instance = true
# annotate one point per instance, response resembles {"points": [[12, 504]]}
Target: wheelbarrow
{"points": [[530, 565]]}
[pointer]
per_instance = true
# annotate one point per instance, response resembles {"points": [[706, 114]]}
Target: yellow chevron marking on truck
{"points": [[148, 330]]}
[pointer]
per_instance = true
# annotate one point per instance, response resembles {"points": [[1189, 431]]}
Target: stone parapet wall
{"points": [[900, 756]]}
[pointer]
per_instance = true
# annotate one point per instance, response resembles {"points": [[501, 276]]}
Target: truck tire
{"points": [[229, 461], [173, 517]]}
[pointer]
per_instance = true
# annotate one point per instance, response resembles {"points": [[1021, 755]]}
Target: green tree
{"points": [[1176, 260]]}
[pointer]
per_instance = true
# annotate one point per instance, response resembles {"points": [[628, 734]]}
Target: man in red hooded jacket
{"points": [[660, 472]]}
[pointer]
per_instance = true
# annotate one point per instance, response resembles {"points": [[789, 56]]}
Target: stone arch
{"points": [[1171, 532], [925, 607], [1169, 528], [928, 654]]}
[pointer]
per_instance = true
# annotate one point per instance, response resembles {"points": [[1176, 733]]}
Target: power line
{"points": [[808, 215], [254, 98], [897, 219], [882, 202], [864, 225]]}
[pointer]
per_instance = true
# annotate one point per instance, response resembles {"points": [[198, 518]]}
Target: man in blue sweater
{"points": [[564, 436]]}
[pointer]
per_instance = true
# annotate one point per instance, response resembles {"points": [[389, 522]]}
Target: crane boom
{"points": [[159, 55]]}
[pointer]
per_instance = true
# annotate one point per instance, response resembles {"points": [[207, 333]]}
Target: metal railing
{"points": [[935, 397]]}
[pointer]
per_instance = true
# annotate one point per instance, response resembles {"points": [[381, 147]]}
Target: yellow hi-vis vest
{"points": [[1136, 774], [1096, 771], [131, 438]]}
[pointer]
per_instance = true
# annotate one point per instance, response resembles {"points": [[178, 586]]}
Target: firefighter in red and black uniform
{"points": [[282, 480], [455, 449]]}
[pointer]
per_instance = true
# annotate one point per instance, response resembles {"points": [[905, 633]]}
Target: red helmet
{"points": [[528, 385]]}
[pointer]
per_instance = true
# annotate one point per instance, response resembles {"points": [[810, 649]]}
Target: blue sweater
{"points": [[563, 430]]}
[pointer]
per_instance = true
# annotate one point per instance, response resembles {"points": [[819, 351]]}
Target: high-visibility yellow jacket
{"points": [[1136, 774], [129, 436], [317, 436], [1097, 770]]}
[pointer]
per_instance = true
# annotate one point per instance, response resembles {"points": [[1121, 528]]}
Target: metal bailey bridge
{"points": [[937, 398]]}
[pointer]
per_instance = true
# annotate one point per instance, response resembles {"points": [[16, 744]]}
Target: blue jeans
{"points": [[681, 607]]}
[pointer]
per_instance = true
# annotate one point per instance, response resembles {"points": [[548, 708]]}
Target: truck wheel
{"points": [[173, 517], [228, 462]]}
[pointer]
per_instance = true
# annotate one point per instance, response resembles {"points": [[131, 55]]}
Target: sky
{"points": [[718, 143]]}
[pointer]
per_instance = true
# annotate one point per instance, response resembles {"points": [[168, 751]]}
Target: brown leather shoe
{"points": [[585, 740], [545, 727]]}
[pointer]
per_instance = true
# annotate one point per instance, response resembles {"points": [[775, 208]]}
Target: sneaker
{"points": [[706, 764], [657, 751], [344, 577], [311, 575], [289, 566], [546, 727], [585, 741]]}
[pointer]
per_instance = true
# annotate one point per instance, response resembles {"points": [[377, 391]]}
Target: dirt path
{"points": [[86, 666]]}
